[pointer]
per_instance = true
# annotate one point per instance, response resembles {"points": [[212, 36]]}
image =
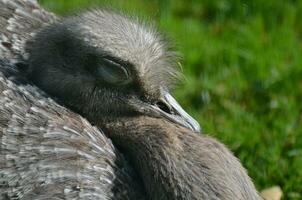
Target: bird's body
{"points": [[115, 72]]}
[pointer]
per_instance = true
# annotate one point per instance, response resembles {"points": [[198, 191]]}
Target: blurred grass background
{"points": [[243, 65]]}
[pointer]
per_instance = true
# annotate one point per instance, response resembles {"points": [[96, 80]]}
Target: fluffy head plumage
{"points": [[64, 57], [132, 41]]}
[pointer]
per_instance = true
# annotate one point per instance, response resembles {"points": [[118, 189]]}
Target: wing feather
{"points": [[19, 19]]}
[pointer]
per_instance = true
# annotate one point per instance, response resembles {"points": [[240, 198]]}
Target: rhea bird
{"points": [[116, 72]]}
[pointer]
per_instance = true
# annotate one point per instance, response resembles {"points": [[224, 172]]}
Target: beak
{"points": [[177, 114], [167, 107]]}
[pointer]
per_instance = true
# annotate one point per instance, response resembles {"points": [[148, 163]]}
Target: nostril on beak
{"points": [[164, 107]]}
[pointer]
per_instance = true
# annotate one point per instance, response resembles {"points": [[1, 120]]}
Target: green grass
{"points": [[243, 65]]}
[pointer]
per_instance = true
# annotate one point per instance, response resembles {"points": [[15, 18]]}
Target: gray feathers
{"points": [[19, 19], [47, 151], [131, 40]]}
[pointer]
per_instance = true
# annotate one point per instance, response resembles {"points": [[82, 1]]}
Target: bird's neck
{"points": [[175, 163], [155, 152]]}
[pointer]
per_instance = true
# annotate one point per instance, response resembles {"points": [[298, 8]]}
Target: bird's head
{"points": [[105, 65]]}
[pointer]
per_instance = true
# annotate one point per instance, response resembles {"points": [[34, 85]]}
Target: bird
{"points": [[117, 73]]}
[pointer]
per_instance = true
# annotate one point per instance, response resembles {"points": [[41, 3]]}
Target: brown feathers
{"points": [[176, 163]]}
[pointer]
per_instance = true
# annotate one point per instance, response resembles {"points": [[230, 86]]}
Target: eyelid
{"points": [[113, 72], [118, 65]]}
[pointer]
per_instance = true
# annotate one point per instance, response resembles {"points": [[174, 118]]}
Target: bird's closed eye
{"points": [[112, 72]]}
